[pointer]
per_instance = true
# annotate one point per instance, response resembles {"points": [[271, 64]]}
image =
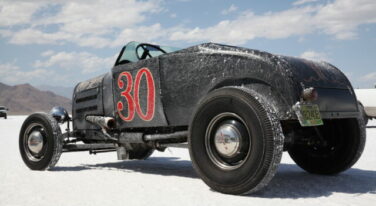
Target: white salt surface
{"points": [[167, 179]]}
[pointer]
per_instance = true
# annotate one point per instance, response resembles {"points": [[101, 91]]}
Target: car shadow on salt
{"points": [[166, 166], [293, 182], [289, 182]]}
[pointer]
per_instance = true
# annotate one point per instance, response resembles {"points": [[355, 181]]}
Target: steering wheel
{"points": [[146, 50]]}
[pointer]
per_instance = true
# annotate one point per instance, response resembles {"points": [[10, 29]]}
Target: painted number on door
{"points": [[133, 101]]}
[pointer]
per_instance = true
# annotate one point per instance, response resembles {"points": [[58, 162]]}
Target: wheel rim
{"points": [[227, 141], [35, 142]]}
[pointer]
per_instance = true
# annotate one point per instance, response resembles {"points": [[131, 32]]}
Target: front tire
{"points": [[345, 140], [235, 141], [40, 141]]}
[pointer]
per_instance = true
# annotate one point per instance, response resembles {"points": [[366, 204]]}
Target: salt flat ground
{"points": [[167, 179]]}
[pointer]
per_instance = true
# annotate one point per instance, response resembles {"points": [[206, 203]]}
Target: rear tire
{"points": [[345, 143], [40, 141], [235, 141]]}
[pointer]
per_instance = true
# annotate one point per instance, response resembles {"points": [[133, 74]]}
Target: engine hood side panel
{"points": [[87, 100]]}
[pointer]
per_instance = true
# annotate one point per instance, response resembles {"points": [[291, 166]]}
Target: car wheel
{"points": [[40, 141], [344, 142], [140, 152], [235, 141]]}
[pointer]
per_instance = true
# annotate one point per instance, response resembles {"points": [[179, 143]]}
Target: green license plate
{"points": [[309, 115]]}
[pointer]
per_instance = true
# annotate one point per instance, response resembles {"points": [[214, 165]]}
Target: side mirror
{"points": [[7, 109]]}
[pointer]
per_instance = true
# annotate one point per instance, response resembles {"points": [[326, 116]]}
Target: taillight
{"points": [[309, 94]]}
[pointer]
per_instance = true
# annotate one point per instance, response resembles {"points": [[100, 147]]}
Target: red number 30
{"points": [[134, 101]]}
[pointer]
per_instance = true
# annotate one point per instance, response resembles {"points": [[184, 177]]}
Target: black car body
{"points": [[182, 78], [234, 106]]}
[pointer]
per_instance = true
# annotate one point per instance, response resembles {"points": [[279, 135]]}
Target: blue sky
{"points": [[63, 42]]}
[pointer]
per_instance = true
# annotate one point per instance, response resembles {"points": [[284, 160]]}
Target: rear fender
{"points": [[265, 91]]}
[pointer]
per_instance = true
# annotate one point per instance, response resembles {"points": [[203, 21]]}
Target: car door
{"points": [[137, 95]]}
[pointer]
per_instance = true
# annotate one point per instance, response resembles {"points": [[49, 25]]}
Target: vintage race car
{"points": [[3, 112], [236, 109]]}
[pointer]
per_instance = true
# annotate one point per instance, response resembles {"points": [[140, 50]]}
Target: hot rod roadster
{"points": [[236, 109]]}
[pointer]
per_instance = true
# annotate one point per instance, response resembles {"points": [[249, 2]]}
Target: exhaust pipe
{"points": [[103, 122], [175, 135]]}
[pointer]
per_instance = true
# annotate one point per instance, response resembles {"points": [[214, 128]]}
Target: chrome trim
{"points": [[35, 142], [33, 152], [226, 140], [215, 153]]}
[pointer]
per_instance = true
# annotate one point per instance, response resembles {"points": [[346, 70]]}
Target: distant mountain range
{"points": [[62, 91], [26, 99]]}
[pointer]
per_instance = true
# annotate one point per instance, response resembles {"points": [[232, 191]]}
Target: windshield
{"points": [[135, 51], [2, 108]]}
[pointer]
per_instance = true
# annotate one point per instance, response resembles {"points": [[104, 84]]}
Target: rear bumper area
{"points": [[339, 115], [336, 100], [337, 103]]}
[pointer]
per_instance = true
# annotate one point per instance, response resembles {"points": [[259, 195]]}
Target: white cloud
{"points": [[109, 23], [75, 61], [313, 55], [92, 41], [48, 53], [12, 13], [5, 32], [141, 34], [87, 23], [101, 16], [12, 74], [369, 77], [33, 36], [301, 2], [63, 68], [248, 26], [340, 18], [229, 10]]}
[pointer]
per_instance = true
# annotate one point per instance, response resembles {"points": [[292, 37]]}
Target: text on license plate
{"points": [[309, 115]]}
